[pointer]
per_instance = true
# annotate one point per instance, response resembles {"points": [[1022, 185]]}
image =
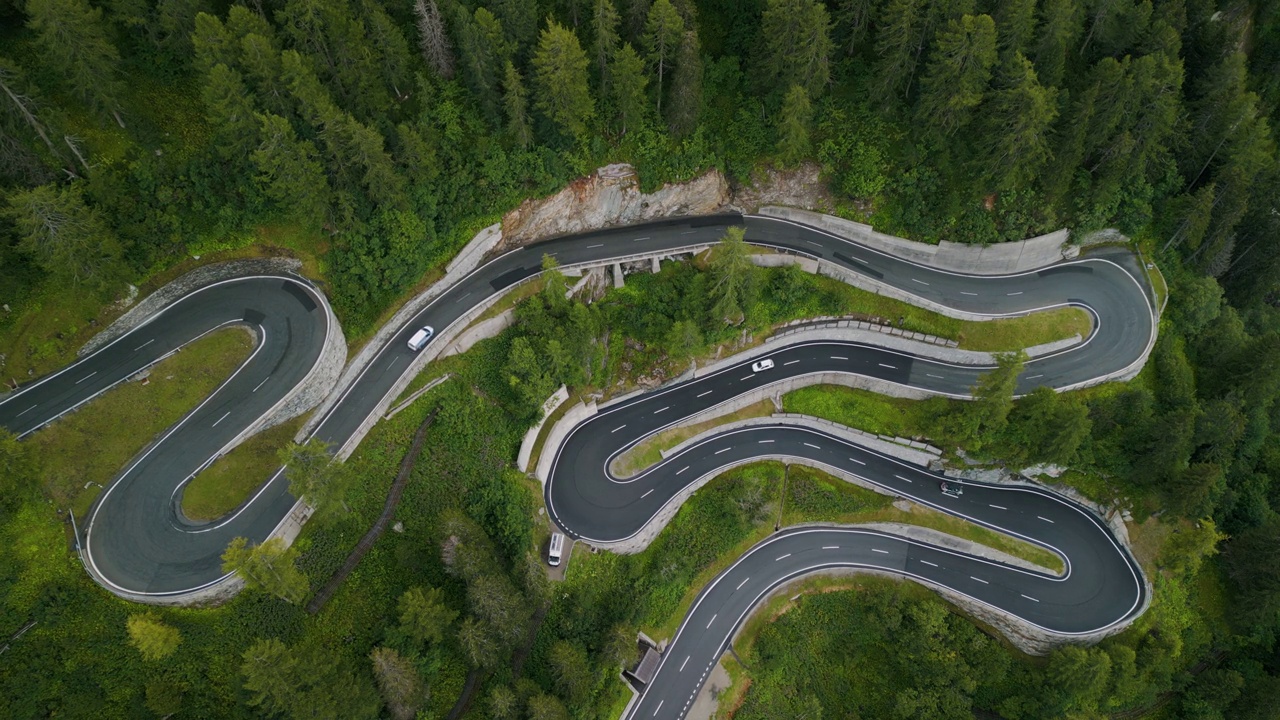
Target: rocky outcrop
{"points": [[611, 196], [801, 187]]}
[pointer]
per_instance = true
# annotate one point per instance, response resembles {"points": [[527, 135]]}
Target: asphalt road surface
{"points": [[139, 543]]}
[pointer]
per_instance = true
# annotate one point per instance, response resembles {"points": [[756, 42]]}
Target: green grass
{"points": [[988, 335], [649, 452], [862, 409], [94, 443], [232, 478]]}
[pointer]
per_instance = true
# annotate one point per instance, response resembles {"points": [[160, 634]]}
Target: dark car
{"points": [[952, 489]]}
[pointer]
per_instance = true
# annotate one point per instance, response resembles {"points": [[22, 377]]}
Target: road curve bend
{"points": [[141, 547]]}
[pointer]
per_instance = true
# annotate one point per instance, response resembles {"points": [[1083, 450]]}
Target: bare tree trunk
{"points": [[435, 43], [23, 104]]}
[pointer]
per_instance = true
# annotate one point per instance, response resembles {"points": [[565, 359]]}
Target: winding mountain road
{"points": [[139, 544]]}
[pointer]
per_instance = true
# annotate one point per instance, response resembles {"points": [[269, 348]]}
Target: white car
{"points": [[761, 365], [420, 338]]}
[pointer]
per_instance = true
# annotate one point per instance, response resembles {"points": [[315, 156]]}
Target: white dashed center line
{"points": [[616, 429], [888, 366], [984, 582], [264, 382], [926, 562], [705, 393], [464, 297], [838, 357], [830, 547], [655, 412], [934, 376], [882, 552], [784, 557], [24, 412], [1033, 377], [86, 377], [686, 662], [224, 417], [655, 711], [647, 494], [1012, 294], [595, 246], [905, 479], [815, 447], [762, 442], [919, 281], [747, 377], [646, 237], [686, 467], [1045, 519], [724, 450], [792, 362], [857, 461], [713, 619], [1029, 598], [813, 243], [144, 344], [967, 293], [744, 582], [998, 507]]}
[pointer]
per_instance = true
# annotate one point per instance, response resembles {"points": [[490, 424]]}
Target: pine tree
{"points": [[66, 237], [229, 108], [484, 57], [519, 21], [604, 21], [793, 126], [152, 637], [797, 45], [393, 49], [852, 19], [433, 39], [1061, 24], [212, 43], [424, 616], [401, 685], [958, 73], [561, 75], [1017, 121], [901, 31], [628, 85], [732, 278], [1015, 24], [314, 475], [72, 39], [289, 171], [268, 566], [686, 88], [516, 102], [663, 33]]}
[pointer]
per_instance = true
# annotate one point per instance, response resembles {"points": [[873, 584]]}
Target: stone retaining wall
{"points": [[531, 436], [997, 259]]}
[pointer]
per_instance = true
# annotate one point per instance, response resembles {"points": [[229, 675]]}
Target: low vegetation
{"points": [[232, 478], [84, 450]]}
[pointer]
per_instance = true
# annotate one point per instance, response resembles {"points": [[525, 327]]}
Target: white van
{"points": [[557, 548], [421, 338]]}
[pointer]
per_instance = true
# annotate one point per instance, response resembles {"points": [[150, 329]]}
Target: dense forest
{"points": [[373, 139]]}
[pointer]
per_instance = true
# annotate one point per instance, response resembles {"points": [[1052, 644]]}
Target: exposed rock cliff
{"points": [[610, 196]]}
